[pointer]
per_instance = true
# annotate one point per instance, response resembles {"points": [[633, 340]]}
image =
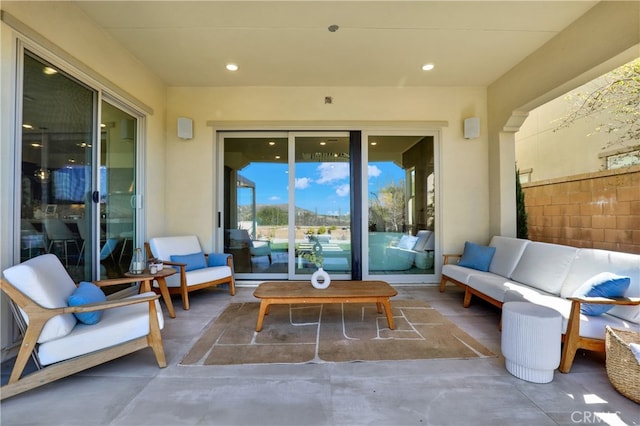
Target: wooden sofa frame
{"points": [[38, 316], [571, 340], [184, 290]]}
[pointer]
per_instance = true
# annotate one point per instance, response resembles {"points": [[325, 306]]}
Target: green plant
{"points": [[314, 257], [522, 229]]}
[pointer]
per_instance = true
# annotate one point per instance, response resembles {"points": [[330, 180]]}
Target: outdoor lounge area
{"points": [[133, 390], [367, 140]]}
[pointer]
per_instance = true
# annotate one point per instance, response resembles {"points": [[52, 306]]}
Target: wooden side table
{"points": [[162, 284]]}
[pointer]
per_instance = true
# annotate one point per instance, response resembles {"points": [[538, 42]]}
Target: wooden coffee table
{"points": [[300, 292]]}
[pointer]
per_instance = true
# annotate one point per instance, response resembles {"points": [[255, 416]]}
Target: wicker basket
{"points": [[623, 368]]}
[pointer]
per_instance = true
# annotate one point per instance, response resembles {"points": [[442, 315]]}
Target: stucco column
{"points": [[502, 208]]}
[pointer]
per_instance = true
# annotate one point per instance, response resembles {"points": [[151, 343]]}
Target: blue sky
{"points": [[321, 186]]}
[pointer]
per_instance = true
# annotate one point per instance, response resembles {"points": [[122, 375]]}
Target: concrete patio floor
{"points": [[134, 391]]}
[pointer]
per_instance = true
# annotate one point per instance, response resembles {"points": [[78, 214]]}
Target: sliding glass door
{"points": [[288, 201], [77, 172], [286, 196], [401, 206]]}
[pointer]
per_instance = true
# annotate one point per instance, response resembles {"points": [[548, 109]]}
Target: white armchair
{"points": [[57, 341], [197, 270]]}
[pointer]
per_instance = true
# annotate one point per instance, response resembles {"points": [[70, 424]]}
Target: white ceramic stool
{"points": [[531, 337]]}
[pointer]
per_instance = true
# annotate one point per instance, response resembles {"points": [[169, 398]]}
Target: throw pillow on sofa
{"points": [[476, 256], [193, 260], [87, 293], [407, 242], [605, 284]]}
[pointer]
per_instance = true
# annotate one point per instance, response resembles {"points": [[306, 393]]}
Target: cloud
{"points": [[343, 190], [303, 183], [274, 198], [374, 171], [330, 172]]}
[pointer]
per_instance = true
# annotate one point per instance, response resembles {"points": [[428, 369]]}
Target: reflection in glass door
{"points": [[77, 176], [321, 234], [56, 165], [117, 190], [274, 219], [401, 205], [256, 200]]}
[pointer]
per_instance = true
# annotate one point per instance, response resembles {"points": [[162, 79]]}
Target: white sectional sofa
{"points": [[549, 274]]}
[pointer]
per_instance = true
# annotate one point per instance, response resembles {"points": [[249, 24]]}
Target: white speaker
{"points": [[185, 128], [471, 128], [127, 131]]}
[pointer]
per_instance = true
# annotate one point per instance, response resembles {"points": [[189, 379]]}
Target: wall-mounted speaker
{"points": [[127, 130], [471, 128], [185, 128]]}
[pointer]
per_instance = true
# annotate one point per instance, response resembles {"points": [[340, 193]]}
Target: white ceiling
{"points": [[287, 43]]}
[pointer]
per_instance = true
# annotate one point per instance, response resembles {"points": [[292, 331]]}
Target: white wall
{"points": [[551, 152], [190, 173]]}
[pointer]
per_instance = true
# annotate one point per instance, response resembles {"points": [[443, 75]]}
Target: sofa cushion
{"points": [[45, 280], [490, 284], [605, 284], [199, 276], [164, 247], [117, 325], [590, 326], [407, 242], [87, 293], [425, 241], [193, 260], [589, 262], [508, 252], [544, 266], [476, 256]]}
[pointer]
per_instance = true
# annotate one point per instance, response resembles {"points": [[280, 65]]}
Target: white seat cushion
{"points": [[117, 326], [590, 326], [45, 280], [199, 276], [461, 273]]}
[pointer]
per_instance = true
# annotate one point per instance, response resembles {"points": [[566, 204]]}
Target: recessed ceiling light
{"points": [[323, 143], [232, 67], [272, 143], [277, 157], [27, 126], [374, 143], [428, 67], [49, 71]]}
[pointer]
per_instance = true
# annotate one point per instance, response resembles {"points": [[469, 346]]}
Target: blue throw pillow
{"points": [[605, 284], [193, 260], [87, 293], [217, 259], [476, 256]]}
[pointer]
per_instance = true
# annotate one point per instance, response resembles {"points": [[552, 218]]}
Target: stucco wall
{"points": [[464, 171]]}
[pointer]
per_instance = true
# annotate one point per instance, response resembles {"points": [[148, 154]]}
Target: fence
{"points": [[595, 210]]}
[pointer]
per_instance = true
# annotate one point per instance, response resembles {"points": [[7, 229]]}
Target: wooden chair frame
{"points": [[184, 289], [39, 315]]}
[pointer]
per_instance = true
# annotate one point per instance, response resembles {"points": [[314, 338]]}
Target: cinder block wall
{"points": [[596, 210]]}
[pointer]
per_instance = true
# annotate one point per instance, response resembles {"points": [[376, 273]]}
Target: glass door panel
{"points": [[58, 128], [401, 205], [117, 175], [321, 233], [256, 203]]}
